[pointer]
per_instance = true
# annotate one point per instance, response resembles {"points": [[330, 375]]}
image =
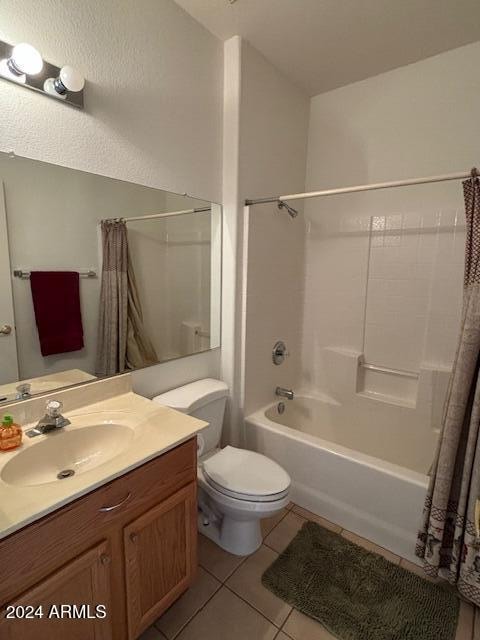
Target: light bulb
{"points": [[25, 59], [71, 79]]}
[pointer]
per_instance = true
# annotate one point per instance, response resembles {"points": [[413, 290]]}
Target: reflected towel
{"points": [[56, 301]]}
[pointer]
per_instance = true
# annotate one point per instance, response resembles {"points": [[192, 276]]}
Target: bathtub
{"points": [[365, 470]]}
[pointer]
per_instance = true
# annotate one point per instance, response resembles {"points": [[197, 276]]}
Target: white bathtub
{"points": [[368, 477]]}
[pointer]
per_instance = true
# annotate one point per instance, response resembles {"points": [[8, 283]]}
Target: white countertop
{"points": [[156, 429], [43, 384]]}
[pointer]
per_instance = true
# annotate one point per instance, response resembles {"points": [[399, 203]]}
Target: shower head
{"points": [[293, 213]]}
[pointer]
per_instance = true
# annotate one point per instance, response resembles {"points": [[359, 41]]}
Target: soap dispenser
{"points": [[10, 434]]}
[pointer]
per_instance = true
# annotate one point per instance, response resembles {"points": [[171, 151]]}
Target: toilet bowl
{"points": [[236, 488]]}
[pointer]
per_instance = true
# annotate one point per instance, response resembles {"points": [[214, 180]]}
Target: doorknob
{"points": [[5, 330]]}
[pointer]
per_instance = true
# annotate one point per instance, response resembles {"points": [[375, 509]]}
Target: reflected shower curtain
{"points": [[122, 340], [449, 541], [140, 350]]}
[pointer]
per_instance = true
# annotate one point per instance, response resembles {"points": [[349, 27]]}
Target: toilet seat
{"points": [[246, 475]]}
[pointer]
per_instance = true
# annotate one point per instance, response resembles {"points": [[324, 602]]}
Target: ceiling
{"points": [[324, 44]]}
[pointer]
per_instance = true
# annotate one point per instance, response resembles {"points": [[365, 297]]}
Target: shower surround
{"points": [[381, 292], [367, 278]]}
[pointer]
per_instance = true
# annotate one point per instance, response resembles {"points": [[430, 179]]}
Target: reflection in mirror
{"points": [[100, 276]]}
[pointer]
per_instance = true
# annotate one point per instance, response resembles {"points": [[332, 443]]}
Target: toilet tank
{"points": [[204, 399]]}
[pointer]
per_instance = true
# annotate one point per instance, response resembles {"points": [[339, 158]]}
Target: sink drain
{"points": [[66, 473]]}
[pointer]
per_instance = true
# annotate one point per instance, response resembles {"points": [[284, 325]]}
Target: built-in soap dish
{"points": [[384, 384]]}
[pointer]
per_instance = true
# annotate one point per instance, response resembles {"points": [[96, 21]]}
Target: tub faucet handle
{"points": [[279, 352]]}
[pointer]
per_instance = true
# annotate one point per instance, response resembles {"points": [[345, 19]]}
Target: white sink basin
{"points": [[74, 449]]}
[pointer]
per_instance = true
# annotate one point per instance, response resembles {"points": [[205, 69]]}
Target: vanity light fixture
{"points": [[23, 65]]}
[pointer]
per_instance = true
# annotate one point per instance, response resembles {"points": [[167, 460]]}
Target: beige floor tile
{"points": [[290, 505], [301, 627], [227, 617], [215, 560], [284, 532], [465, 622], [321, 521], [267, 524], [247, 583], [414, 568], [183, 610], [282, 636], [152, 634], [371, 546]]}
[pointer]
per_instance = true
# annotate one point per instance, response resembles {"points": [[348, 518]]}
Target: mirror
{"points": [[100, 276]]}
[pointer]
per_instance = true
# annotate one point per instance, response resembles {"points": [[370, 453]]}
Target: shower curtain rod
{"points": [[365, 187], [152, 216]]}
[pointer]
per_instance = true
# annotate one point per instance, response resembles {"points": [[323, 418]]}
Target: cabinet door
{"points": [[160, 558], [84, 582]]}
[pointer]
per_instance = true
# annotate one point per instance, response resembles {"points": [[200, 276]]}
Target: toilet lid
{"points": [[246, 474]]}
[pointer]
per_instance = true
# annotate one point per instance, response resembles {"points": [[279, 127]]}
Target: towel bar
{"points": [[25, 275]]}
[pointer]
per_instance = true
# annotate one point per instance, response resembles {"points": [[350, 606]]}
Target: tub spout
{"points": [[284, 393]]}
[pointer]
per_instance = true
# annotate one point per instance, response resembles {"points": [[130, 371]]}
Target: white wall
{"points": [[153, 100], [151, 381], [232, 349], [384, 269], [273, 138], [265, 132]]}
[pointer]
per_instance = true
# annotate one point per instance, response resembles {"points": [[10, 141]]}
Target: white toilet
{"points": [[237, 488]]}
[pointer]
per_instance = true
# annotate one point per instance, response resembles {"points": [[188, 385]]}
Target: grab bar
{"points": [[395, 372]]}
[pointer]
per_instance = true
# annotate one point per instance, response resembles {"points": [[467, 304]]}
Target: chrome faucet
{"points": [[284, 393], [23, 391], [51, 421]]}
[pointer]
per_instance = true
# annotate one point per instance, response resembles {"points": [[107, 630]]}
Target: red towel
{"points": [[56, 301]]}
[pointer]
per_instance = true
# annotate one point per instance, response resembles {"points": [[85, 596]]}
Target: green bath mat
{"points": [[358, 595]]}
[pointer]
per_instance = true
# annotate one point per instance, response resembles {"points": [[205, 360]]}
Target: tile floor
{"points": [[228, 601]]}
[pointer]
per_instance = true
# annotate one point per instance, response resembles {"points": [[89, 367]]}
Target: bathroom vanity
{"points": [[123, 551], [130, 545]]}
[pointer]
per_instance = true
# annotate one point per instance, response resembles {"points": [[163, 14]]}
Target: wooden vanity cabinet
{"points": [[129, 545]]}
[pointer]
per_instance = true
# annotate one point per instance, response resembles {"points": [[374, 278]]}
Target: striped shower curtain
{"points": [[123, 343], [449, 539]]}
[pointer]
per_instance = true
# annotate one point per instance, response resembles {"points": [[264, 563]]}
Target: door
{"points": [[160, 558], [8, 346], [84, 582]]}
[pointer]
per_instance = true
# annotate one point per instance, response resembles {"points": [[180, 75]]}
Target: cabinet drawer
{"points": [[35, 551], [130, 494]]}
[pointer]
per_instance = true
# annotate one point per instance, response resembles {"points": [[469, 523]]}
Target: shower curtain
{"points": [[449, 540], [140, 350], [123, 342]]}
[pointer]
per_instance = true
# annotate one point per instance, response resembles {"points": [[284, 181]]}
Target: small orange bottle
{"points": [[10, 434]]}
